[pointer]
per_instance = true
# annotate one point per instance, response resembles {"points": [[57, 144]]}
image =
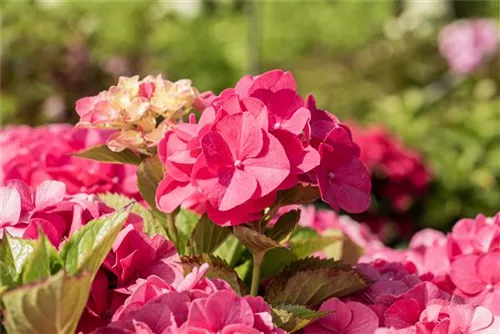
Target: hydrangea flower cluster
{"points": [[194, 305], [255, 149], [466, 262], [142, 110], [400, 180], [48, 207], [467, 44], [252, 141], [440, 284], [44, 153]]}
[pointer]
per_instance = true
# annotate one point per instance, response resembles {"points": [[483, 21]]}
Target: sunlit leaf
{"points": [[102, 153], [53, 305]]}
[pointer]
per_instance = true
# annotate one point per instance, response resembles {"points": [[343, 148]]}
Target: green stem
{"points": [[171, 229], [257, 263]]}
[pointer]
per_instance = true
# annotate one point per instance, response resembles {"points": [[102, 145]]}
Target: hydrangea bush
{"points": [[219, 234]]}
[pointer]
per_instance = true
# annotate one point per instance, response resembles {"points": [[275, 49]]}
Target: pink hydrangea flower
{"points": [[133, 254], [398, 295], [477, 278], [348, 318], [195, 305], [24, 210], [474, 236], [443, 317], [467, 44], [44, 153], [252, 141]]}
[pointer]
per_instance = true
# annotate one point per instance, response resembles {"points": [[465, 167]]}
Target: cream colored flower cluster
{"points": [[142, 110]]}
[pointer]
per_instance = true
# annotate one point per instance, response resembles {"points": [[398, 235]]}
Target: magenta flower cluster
{"points": [[254, 140]]}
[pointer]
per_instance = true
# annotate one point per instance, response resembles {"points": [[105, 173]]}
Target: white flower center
{"points": [[115, 180], [489, 287], [238, 164], [277, 125], [331, 175]]}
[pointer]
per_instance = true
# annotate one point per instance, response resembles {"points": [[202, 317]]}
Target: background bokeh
{"points": [[368, 62]]}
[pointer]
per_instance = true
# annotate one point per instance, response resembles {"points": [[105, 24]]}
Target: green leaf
{"points": [[218, 268], [307, 247], [335, 244], [88, 247], [311, 281], [7, 277], [149, 174], [275, 260], [102, 153], [207, 236], [303, 233], [244, 271], [154, 222], [38, 265], [230, 250], [20, 250], [185, 222], [255, 241], [298, 195], [8, 271], [53, 305], [346, 249], [292, 318], [284, 226]]}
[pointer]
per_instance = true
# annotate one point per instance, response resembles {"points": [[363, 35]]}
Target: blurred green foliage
{"points": [[374, 62]]}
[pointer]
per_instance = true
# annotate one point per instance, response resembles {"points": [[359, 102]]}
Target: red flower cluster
{"points": [[400, 181], [406, 178], [252, 141]]}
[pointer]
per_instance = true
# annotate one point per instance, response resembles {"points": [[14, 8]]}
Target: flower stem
{"points": [[257, 263], [171, 229]]}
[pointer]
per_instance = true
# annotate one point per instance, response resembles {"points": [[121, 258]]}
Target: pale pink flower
{"points": [[141, 110], [467, 44]]}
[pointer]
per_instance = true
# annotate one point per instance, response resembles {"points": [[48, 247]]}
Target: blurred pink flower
{"points": [[467, 44], [43, 153]]}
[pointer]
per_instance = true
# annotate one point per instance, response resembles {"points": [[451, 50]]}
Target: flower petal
{"points": [[242, 133], [270, 167], [171, 193]]}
